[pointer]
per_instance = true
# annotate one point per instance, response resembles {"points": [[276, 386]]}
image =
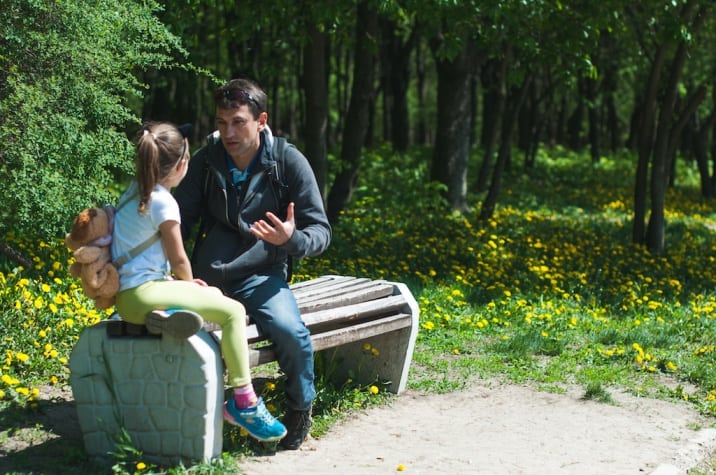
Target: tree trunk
{"points": [[357, 116], [315, 90], [452, 141], [593, 114], [666, 131], [645, 137], [508, 128], [495, 95], [422, 135], [701, 154], [574, 122], [396, 79]]}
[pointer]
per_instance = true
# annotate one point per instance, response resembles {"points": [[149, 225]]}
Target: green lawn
{"points": [[550, 291]]}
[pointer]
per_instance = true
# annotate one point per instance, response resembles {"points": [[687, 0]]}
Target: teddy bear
{"points": [[89, 239]]}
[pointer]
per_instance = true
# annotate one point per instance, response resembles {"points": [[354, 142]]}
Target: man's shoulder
{"points": [[211, 148], [285, 150]]}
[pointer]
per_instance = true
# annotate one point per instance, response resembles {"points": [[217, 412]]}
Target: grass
{"points": [[549, 291]]}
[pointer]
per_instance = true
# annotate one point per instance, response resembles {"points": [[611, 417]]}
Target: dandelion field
{"points": [[550, 290]]}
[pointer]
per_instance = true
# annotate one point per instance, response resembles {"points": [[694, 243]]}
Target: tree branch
{"points": [[15, 255]]}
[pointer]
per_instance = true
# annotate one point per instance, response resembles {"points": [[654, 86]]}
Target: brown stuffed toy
{"points": [[89, 239]]}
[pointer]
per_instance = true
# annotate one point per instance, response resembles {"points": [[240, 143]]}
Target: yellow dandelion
{"points": [[22, 356], [400, 467], [269, 386], [374, 389], [2, 394], [366, 346], [374, 351], [141, 465]]}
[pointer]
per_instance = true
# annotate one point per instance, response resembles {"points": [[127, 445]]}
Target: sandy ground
{"points": [[488, 429], [506, 430]]}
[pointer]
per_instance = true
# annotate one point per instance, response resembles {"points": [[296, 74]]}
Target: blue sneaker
{"points": [[257, 421]]}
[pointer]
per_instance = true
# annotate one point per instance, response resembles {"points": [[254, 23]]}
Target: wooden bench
{"points": [[123, 377]]}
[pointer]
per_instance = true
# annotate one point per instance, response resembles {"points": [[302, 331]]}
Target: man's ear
{"points": [[262, 120]]}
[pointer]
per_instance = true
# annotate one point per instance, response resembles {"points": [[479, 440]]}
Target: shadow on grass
{"points": [[43, 440]]}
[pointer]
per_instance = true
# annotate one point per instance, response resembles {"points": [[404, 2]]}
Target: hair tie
{"points": [[147, 131]]}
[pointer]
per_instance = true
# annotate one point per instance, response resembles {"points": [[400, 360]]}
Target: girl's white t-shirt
{"points": [[132, 229]]}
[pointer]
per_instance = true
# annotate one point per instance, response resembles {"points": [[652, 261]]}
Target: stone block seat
{"points": [[166, 394]]}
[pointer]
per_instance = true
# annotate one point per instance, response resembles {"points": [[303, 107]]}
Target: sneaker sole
{"points": [[232, 421], [181, 324]]}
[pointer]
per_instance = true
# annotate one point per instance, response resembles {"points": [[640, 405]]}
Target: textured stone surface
{"points": [[166, 393]]}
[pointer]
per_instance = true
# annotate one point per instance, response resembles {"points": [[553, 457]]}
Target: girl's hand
{"points": [[200, 282]]}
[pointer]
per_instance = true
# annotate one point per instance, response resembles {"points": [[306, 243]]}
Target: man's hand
{"points": [[280, 232]]}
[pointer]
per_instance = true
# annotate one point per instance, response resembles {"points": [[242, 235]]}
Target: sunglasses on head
{"points": [[237, 95]]}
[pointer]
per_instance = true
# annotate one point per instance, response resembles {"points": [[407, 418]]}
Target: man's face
{"points": [[240, 132]]}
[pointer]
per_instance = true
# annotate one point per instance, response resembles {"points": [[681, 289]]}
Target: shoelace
{"points": [[263, 414]]}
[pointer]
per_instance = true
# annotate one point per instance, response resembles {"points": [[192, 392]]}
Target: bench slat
{"points": [[346, 296], [351, 314], [338, 337], [320, 321], [309, 292], [318, 282]]}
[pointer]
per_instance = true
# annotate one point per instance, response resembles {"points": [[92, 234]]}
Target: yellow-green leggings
{"points": [[213, 306]]}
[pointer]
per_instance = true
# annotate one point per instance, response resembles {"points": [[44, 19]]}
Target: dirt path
{"points": [[505, 430], [488, 429]]}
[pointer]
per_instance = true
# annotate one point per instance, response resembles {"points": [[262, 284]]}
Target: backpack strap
{"points": [[279, 149], [138, 249]]}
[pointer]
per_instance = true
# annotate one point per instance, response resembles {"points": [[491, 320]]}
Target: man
{"points": [[257, 206]]}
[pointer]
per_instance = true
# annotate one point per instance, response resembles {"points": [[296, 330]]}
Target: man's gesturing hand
{"points": [[280, 232]]}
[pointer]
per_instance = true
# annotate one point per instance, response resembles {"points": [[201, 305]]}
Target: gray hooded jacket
{"points": [[225, 252]]}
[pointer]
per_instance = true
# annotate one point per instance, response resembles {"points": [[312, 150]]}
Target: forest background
{"points": [[490, 80], [514, 162]]}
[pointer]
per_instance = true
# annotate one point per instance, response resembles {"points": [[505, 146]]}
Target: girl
{"points": [[160, 275]]}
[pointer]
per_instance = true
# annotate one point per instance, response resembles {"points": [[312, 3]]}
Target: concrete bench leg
{"points": [[166, 393], [388, 358]]}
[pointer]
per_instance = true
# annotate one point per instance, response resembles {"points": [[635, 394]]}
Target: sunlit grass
{"points": [[550, 290]]}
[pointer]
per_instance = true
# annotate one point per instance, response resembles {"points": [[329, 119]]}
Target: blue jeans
{"points": [[272, 305]]}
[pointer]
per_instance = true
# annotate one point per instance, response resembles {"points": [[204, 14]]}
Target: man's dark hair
{"points": [[239, 92]]}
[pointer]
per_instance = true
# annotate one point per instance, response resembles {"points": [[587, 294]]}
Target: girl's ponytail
{"points": [[160, 147]]}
